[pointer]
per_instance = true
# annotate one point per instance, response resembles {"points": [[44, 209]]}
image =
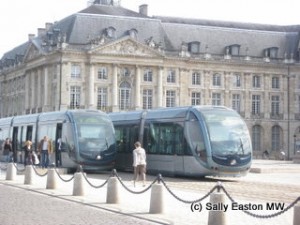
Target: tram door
{"points": [[29, 133], [15, 143], [58, 145]]}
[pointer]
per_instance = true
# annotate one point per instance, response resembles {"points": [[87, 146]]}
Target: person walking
{"points": [[139, 163], [7, 150], [45, 149], [28, 153]]}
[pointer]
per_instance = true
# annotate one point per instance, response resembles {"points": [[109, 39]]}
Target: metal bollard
{"points": [[78, 185], [11, 172], [51, 179], [28, 179], [217, 216], [113, 191], [297, 214]]}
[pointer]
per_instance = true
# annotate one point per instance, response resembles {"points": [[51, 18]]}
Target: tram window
{"points": [[195, 139], [24, 138], [4, 133], [126, 136], [165, 138], [68, 139], [48, 130], [88, 131], [19, 139], [1, 140]]}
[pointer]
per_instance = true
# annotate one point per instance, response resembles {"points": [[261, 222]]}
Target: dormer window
{"points": [[110, 32], [233, 50], [271, 52], [194, 47], [133, 33]]}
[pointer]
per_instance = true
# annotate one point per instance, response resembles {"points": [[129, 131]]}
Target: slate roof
{"points": [[111, 10], [171, 32]]}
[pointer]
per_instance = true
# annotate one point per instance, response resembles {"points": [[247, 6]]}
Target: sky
{"points": [[18, 18]]}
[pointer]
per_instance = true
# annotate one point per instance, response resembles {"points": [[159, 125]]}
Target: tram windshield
{"points": [[228, 133], [94, 132]]}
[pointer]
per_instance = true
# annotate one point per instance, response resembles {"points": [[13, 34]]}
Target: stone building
{"points": [[110, 58]]}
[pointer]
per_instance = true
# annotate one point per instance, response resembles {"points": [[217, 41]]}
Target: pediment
{"points": [[127, 47], [31, 53]]}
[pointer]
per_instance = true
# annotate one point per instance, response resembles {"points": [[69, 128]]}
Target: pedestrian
{"points": [[7, 150], [28, 153], [139, 163], [58, 152], [45, 149]]}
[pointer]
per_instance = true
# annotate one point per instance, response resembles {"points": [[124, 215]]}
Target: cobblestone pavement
{"points": [[31, 208], [258, 189]]}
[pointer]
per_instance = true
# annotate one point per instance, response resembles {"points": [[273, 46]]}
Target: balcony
{"points": [[276, 116], [257, 116]]}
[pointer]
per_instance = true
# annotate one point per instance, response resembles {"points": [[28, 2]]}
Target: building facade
{"points": [[110, 58]]}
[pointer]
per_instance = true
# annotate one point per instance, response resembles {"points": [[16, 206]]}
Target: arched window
{"points": [[256, 137], [133, 33], [276, 137], [124, 96], [110, 32]]}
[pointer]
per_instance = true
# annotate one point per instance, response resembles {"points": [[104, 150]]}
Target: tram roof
{"points": [[126, 116], [166, 113], [25, 119], [6, 121], [46, 116]]}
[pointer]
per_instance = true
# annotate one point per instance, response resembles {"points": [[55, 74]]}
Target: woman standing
{"points": [[28, 153], [139, 162]]}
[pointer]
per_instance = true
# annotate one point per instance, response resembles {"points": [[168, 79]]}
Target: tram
{"points": [[84, 137], [192, 141]]}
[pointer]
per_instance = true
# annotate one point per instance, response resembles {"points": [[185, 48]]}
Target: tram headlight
{"points": [[233, 162], [98, 157]]}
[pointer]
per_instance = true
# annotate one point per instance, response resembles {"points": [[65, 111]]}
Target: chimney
{"points": [[41, 32], [30, 36], [144, 9], [48, 26]]}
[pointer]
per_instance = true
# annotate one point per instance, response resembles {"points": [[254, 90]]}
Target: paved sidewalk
{"points": [[137, 205]]}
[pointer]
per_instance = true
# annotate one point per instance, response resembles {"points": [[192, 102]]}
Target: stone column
{"points": [[138, 88], [46, 86], [266, 99], [115, 105], [27, 90], [247, 95], [183, 81], [64, 94], [160, 87], [33, 90], [39, 89], [206, 83], [91, 87], [227, 93]]}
